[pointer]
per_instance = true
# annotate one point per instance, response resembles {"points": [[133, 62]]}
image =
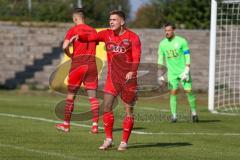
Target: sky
{"points": [[135, 4]]}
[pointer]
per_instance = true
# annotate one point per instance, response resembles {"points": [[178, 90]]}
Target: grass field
{"points": [[27, 131]]}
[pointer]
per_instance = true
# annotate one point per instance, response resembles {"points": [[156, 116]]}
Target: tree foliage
{"points": [[60, 10], [190, 14], [98, 11]]}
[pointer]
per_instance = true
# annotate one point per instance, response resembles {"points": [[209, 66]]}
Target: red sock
{"points": [[68, 110], [94, 108], [127, 128], [108, 120]]}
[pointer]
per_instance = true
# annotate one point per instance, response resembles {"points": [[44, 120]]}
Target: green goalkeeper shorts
{"points": [[173, 84]]}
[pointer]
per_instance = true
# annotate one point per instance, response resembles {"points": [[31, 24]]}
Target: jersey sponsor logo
{"points": [[172, 54], [123, 47]]}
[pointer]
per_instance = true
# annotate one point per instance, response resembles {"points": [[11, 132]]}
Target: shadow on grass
{"points": [[120, 129], [209, 121], [165, 145]]}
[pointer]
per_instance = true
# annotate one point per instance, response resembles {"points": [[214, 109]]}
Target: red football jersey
{"points": [[81, 49], [123, 53]]}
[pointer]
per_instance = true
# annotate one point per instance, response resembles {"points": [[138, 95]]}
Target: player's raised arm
{"points": [[69, 38], [92, 36], [88, 37]]}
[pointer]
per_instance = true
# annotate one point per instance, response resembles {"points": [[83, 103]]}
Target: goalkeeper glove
{"points": [[185, 75], [161, 78]]}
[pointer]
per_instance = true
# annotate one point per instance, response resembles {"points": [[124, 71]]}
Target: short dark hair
{"points": [[170, 24], [79, 11], [119, 13]]}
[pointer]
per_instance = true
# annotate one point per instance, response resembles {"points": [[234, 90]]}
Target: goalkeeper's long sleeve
{"points": [[187, 59], [160, 56]]}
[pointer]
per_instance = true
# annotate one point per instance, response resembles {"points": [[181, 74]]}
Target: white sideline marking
{"points": [[152, 109], [228, 114], [41, 119], [38, 151], [135, 132], [189, 133]]}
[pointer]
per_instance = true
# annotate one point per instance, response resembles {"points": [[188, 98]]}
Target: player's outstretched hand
{"points": [[185, 75], [129, 76], [74, 38]]}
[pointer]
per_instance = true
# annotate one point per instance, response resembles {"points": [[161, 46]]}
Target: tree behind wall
{"points": [[60, 10], [190, 14]]}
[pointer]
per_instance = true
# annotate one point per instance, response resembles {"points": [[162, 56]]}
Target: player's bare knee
{"points": [[70, 96], [91, 93], [174, 92], [188, 91], [107, 106], [128, 109]]}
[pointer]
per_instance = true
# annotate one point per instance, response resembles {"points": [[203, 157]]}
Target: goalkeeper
{"points": [[175, 52]]}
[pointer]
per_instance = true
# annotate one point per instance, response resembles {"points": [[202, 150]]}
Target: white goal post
{"points": [[224, 59]]}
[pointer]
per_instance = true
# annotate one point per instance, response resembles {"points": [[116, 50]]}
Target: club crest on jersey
{"points": [[126, 43], [176, 45]]}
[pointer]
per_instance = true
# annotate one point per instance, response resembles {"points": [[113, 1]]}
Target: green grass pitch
{"points": [[27, 131]]}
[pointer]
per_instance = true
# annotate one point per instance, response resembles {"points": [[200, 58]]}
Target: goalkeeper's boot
{"points": [[122, 146], [195, 119], [106, 144], [63, 127], [173, 119], [94, 129]]}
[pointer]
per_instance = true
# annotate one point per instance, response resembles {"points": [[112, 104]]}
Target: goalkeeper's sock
{"points": [[94, 108], [173, 104], [192, 103], [108, 121], [174, 116], [128, 123], [68, 111]]}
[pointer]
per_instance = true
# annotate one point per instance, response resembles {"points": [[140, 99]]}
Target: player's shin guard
{"points": [[128, 123], [173, 104], [192, 102], [68, 111], [94, 108], [108, 121]]}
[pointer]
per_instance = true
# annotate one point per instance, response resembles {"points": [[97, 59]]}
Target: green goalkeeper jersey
{"points": [[175, 52]]}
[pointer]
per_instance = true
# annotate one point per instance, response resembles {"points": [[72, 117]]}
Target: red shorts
{"points": [[86, 74], [127, 91]]}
